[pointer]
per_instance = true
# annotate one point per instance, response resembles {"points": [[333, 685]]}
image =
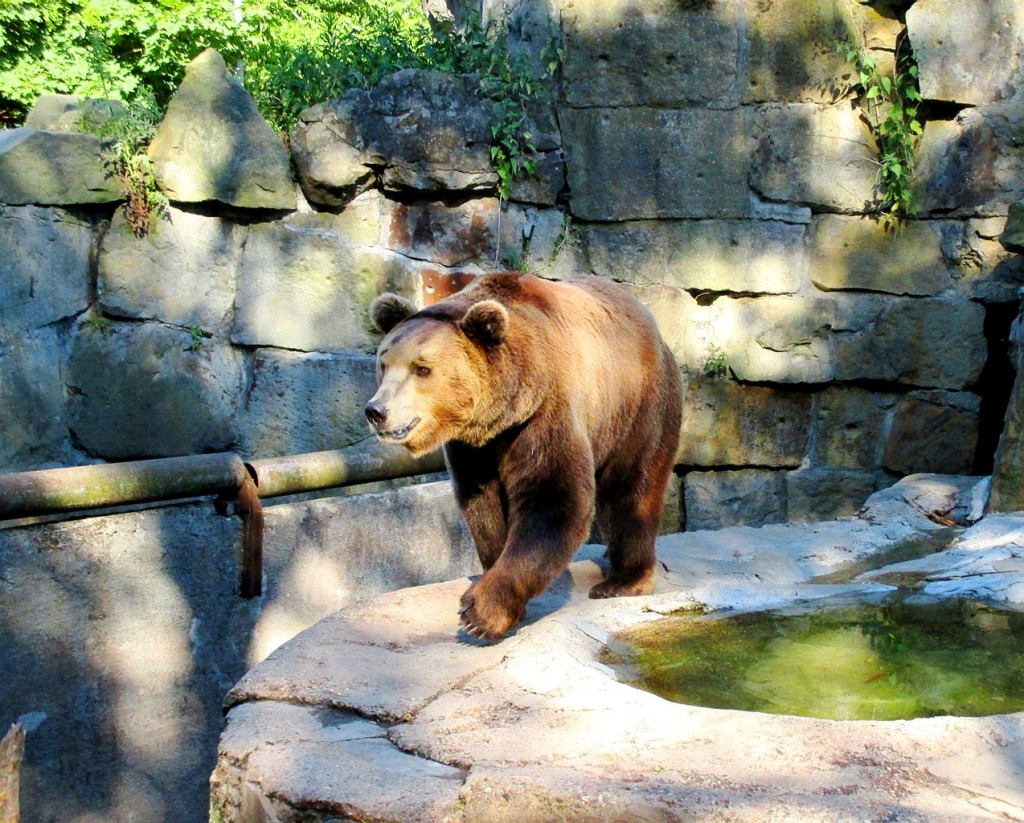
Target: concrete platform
{"points": [[384, 712]]}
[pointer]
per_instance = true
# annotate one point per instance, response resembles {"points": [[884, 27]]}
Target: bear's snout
{"points": [[376, 413]]}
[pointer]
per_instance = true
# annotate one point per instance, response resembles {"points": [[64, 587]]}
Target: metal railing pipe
{"points": [[52, 491], [364, 462]]}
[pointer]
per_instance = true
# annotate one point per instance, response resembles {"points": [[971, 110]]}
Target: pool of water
{"points": [[895, 658]]}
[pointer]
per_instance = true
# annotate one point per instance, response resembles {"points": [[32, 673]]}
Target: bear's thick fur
{"points": [[549, 398]]}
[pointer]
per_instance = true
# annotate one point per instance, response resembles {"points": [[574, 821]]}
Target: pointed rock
{"points": [[214, 145]]}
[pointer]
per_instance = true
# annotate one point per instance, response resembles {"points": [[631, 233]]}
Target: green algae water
{"points": [[888, 660]]}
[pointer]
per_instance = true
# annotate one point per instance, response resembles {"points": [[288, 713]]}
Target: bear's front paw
{"points": [[483, 615], [631, 586]]}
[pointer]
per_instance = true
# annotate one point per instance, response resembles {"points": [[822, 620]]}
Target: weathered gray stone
{"points": [[326, 553], [636, 163], [857, 253], [776, 339], [213, 144], [68, 112], [543, 186], [685, 326], [44, 268], [48, 109], [305, 402], [748, 497], [757, 256], [814, 155], [814, 495], [361, 221], [850, 427], [32, 399], [147, 390], [49, 168], [182, 273], [921, 342], [421, 130], [728, 424], [792, 57], [650, 53], [985, 269], [933, 431], [1012, 236], [310, 289], [448, 235], [142, 603], [971, 166], [968, 51], [540, 240], [1008, 472]]}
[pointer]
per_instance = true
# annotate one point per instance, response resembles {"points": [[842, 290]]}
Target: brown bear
{"points": [[548, 397]]}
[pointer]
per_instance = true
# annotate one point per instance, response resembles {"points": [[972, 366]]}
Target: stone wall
{"points": [[697, 151]]}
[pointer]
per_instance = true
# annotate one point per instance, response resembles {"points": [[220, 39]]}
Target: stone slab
{"points": [[169, 393], [651, 53], [543, 730], [857, 253], [183, 272], [933, 431], [814, 495], [921, 342], [850, 425], [298, 403], [213, 144], [749, 497], [751, 257], [32, 396], [306, 288], [967, 52], [630, 163], [728, 424], [820, 156], [49, 168]]}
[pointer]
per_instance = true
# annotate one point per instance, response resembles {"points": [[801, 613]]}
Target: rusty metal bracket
{"points": [[251, 511]]}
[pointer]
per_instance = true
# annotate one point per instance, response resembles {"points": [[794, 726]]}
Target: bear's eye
{"points": [[422, 371]]}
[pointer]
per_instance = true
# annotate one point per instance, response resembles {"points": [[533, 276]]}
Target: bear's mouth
{"points": [[398, 435]]}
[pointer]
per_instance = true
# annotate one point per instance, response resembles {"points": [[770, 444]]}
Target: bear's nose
{"points": [[376, 413]]}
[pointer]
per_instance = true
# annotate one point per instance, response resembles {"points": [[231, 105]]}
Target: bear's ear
{"points": [[485, 323], [388, 310]]}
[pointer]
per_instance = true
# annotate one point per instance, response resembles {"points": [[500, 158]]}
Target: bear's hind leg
{"points": [[630, 515]]}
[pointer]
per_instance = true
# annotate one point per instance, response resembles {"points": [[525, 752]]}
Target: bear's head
{"points": [[432, 370]]}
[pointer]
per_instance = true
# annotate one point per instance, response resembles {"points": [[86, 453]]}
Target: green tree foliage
{"points": [[51, 46]]}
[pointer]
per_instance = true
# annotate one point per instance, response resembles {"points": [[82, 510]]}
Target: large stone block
{"points": [[308, 288], [814, 495], [49, 168], [972, 166], [650, 53], [934, 432], [44, 267], [540, 240], [448, 235], [857, 253], [1007, 494], [213, 144], [684, 325], [728, 424], [920, 342], [32, 398], [776, 339], [301, 403], [816, 155], [749, 256], [987, 270], [419, 130], [792, 53], [968, 51], [850, 426], [748, 497], [637, 163], [1012, 236], [182, 273], [147, 390]]}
